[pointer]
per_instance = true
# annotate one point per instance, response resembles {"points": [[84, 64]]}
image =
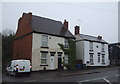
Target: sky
{"points": [[94, 18]]}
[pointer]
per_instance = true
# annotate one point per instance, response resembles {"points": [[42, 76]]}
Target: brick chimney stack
{"points": [[66, 24], [99, 37], [77, 29], [30, 16]]}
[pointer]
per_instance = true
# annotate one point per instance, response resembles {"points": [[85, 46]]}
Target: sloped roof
{"points": [[48, 26], [91, 38]]}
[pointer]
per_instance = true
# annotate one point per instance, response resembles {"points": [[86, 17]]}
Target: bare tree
{"points": [[7, 32]]}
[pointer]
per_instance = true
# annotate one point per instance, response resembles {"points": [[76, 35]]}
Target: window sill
{"points": [[102, 51], [44, 47], [91, 50], [44, 65]]}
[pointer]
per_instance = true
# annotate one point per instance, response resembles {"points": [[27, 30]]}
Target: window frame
{"points": [[66, 59], [91, 59], [99, 57], [43, 58], [44, 40], [91, 45], [103, 58], [66, 43], [103, 47]]}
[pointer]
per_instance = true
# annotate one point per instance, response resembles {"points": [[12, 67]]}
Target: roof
{"points": [[51, 27], [92, 38]]}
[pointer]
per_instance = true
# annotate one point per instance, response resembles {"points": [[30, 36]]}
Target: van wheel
{"points": [[7, 73]]}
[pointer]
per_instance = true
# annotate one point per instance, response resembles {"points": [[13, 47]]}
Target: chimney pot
{"points": [[30, 16], [77, 29], [99, 37], [66, 24]]}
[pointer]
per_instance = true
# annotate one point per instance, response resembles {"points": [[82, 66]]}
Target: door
{"points": [[52, 62]]}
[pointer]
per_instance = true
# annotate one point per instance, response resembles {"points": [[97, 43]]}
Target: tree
{"points": [[7, 46], [71, 51]]}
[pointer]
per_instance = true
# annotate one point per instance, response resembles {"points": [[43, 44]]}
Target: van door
{"points": [[23, 66]]}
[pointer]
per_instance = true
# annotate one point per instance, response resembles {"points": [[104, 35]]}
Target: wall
{"points": [[95, 51], [22, 48], [53, 47]]}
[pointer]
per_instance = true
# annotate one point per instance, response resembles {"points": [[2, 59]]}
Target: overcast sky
{"points": [[95, 18]]}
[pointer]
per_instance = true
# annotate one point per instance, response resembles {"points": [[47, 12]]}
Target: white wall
{"points": [[82, 52], [53, 47], [96, 51]]}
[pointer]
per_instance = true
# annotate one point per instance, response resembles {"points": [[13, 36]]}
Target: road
{"points": [[108, 77]]}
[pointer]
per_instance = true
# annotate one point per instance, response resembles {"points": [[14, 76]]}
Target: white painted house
{"points": [[37, 39], [93, 51]]}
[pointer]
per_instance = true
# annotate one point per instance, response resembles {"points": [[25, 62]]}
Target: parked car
{"points": [[16, 67]]}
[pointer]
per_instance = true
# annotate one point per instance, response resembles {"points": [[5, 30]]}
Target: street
{"points": [[106, 75]]}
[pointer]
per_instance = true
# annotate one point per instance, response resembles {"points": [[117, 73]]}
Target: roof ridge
{"points": [[47, 18], [89, 35]]}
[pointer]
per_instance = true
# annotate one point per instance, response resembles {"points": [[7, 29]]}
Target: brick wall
{"points": [[22, 47]]}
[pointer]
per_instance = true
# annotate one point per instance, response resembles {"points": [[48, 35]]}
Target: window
{"points": [[43, 58], [103, 59], [98, 57], [66, 58], [66, 43], [91, 58], [102, 47], [44, 40], [9, 64], [91, 45]]}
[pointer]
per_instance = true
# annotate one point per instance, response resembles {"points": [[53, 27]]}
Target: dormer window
{"points": [[66, 43]]}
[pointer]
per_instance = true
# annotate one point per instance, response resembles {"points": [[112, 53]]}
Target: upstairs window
{"points": [[66, 43], [44, 41], [103, 47], [91, 45]]}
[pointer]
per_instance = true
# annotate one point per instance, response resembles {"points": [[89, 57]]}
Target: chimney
{"points": [[66, 24], [99, 37], [77, 29], [30, 16]]}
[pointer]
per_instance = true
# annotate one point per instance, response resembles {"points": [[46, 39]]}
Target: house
{"points": [[90, 50], [37, 39], [114, 53]]}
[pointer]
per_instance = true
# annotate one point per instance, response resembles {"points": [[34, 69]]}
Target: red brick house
{"points": [[37, 39]]}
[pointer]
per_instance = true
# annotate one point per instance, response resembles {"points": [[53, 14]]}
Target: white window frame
{"points": [[43, 57], [44, 41], [91, 59], [91, 45], [103, 47], [66, 58], [66, 43], [98, 57], [103, 58]]}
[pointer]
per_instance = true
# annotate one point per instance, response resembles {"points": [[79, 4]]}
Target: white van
{"points": [[16, 67]]}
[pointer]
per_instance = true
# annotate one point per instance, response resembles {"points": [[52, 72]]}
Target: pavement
{"points": [[65, 73]]}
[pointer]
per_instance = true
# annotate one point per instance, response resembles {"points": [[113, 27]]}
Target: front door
{"points": [[52, 62]]}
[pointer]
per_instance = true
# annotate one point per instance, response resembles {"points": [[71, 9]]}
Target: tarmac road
{"points": [[104, 75]]}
